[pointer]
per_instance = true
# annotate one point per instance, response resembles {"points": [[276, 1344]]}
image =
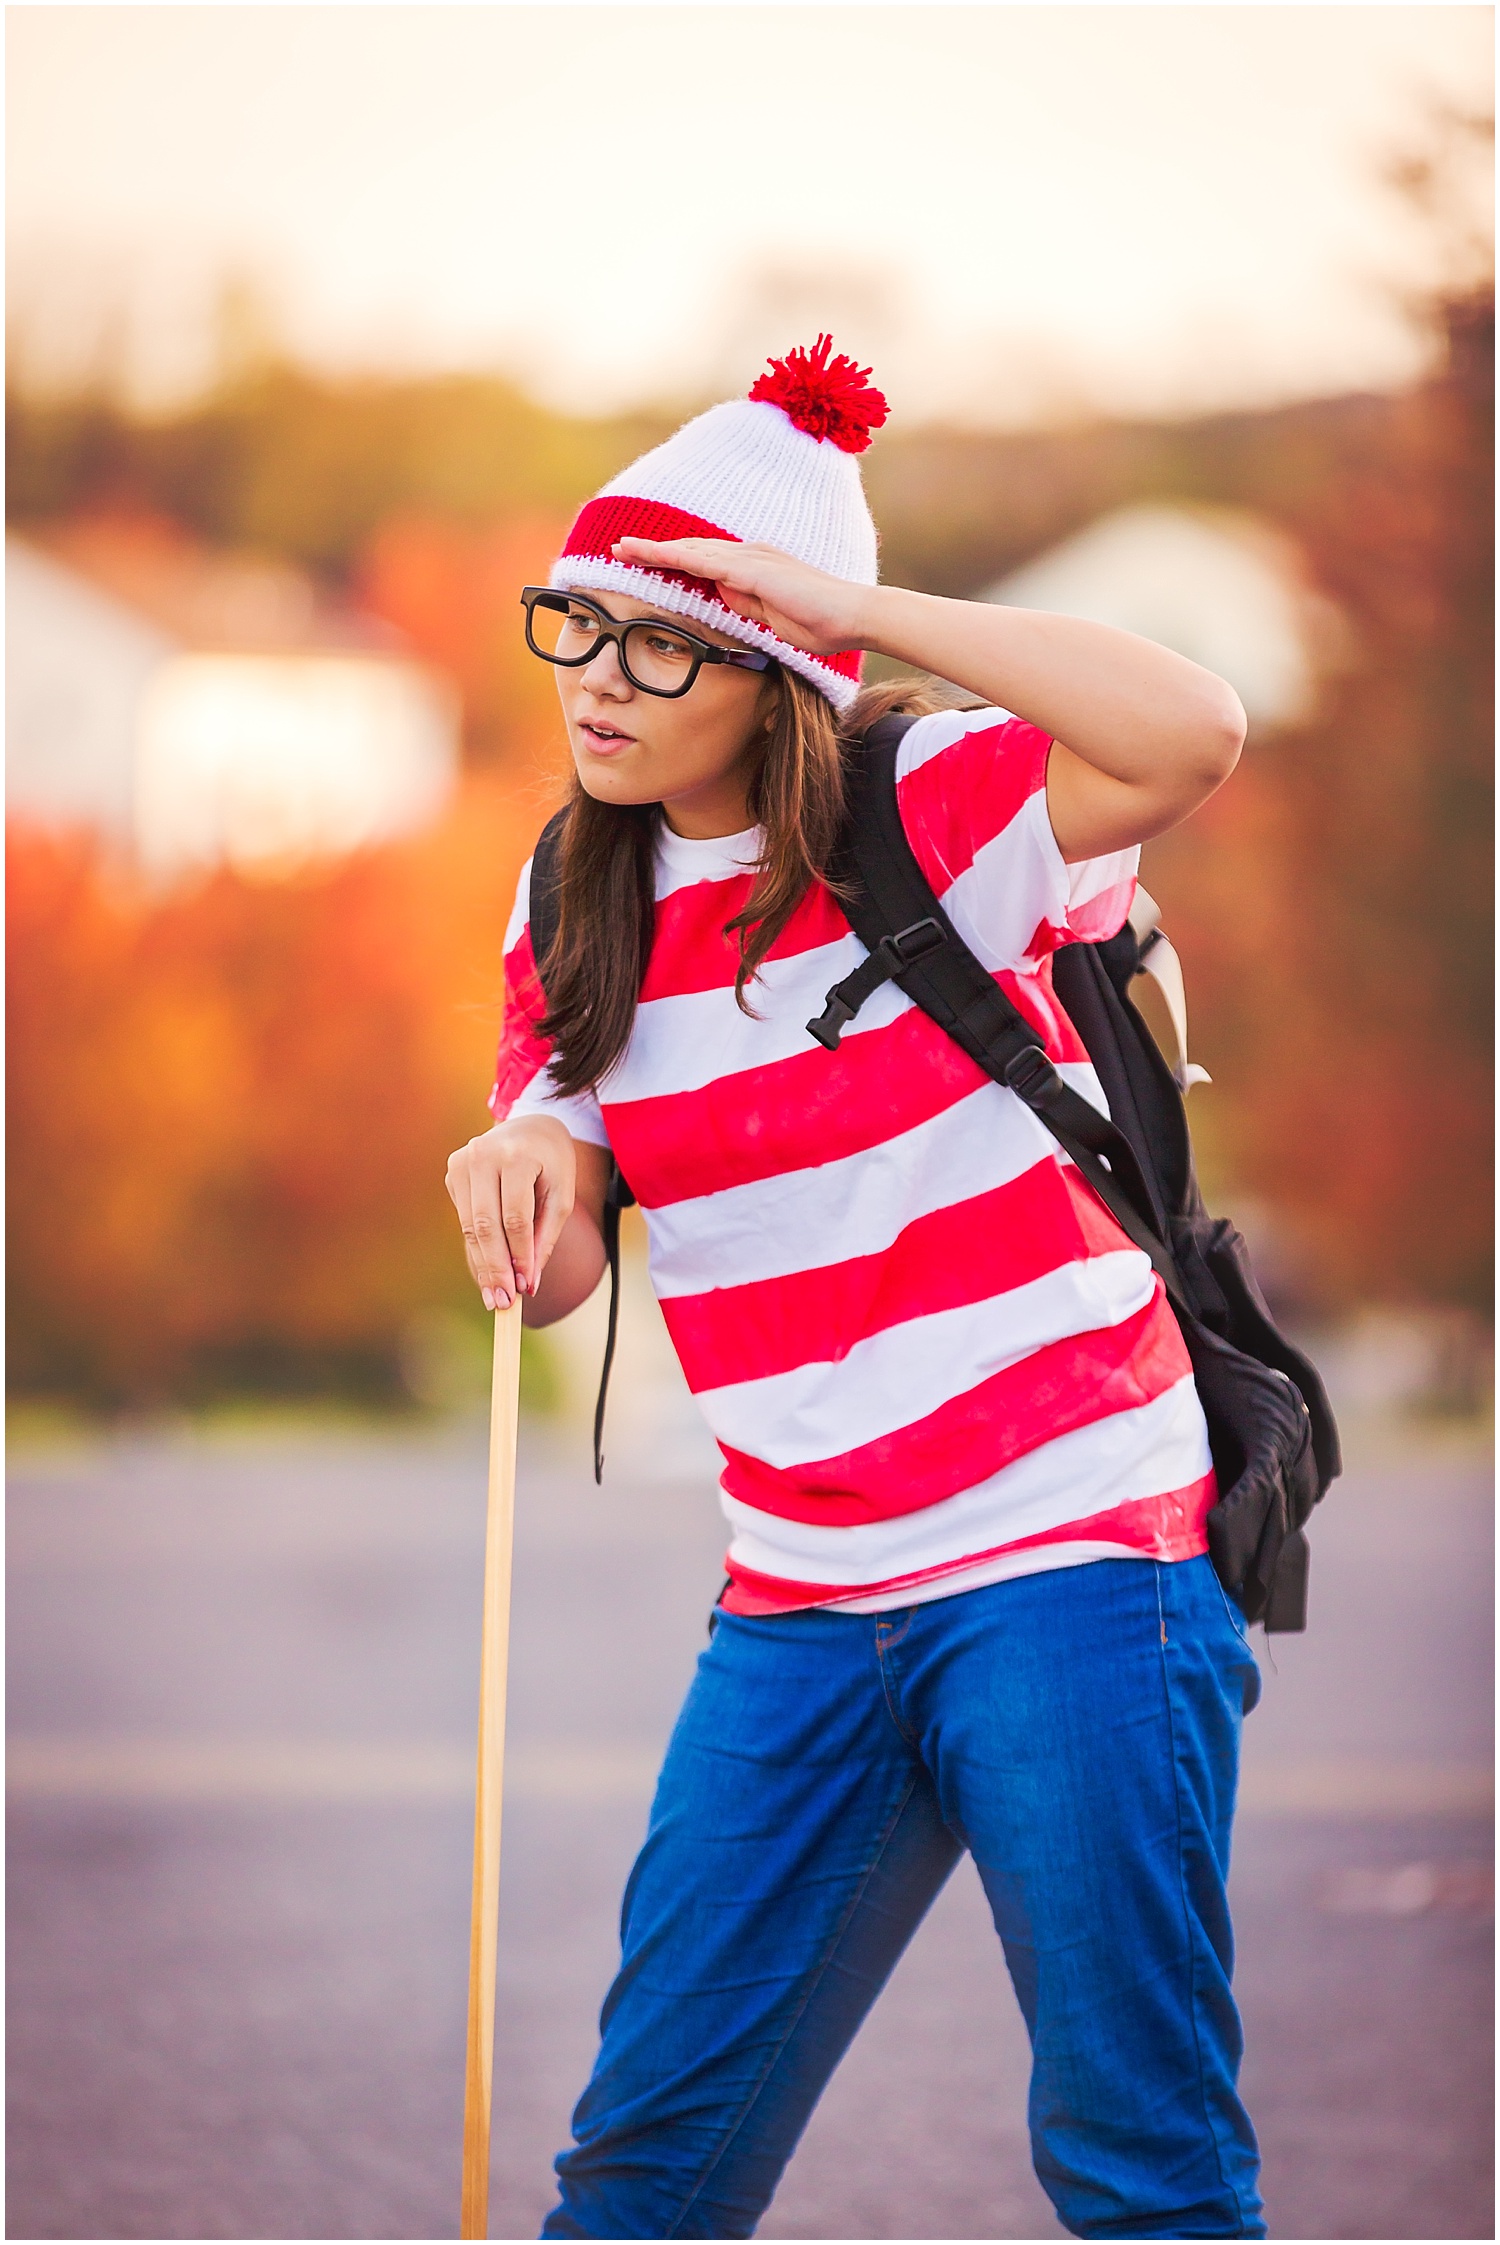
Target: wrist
{"points": [[892, 624], [874, 618], [533, 1130]]}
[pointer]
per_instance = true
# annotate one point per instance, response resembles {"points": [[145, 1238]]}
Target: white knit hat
{"points": [[777, 468]]}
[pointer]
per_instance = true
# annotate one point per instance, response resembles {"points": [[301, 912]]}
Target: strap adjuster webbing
{"points": [[1032, 1076], [890, 958]]}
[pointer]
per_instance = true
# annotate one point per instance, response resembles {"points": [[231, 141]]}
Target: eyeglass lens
{"points": [[654, 655]]}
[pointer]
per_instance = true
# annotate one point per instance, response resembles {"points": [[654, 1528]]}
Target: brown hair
{"points": [[606, 892]]}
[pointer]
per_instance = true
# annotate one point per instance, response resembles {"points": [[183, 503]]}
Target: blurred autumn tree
{"points": [[309, 468], [230, 1105], [229, 1108], [452, 589], [1335, 900]]}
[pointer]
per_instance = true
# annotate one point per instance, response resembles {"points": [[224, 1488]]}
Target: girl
{"points": [[966, 1470]]}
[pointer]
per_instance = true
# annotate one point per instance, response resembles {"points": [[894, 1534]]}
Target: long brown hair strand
{"points": [[606, 873]]}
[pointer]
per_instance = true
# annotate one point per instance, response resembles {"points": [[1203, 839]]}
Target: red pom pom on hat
{"points": [[828, 398]]}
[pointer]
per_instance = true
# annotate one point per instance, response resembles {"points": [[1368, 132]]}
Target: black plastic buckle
{"points": [[891, 957], [1031, 1075], [910, 944], [831, 1022]]}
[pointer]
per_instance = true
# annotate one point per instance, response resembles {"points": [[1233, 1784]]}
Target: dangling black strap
{"points": [[617, 1194]]}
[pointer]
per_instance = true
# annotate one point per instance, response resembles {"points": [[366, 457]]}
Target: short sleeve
{"points": [[972, 787], [522, 1083]]}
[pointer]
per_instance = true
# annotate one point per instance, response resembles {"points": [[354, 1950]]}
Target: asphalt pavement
{"points": [[242, 1679]]}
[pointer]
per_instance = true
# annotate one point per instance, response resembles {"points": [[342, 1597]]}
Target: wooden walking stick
{"points": [[494, 1648]]}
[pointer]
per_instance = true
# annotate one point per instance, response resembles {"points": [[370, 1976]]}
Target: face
{"points": [[695, 756]]}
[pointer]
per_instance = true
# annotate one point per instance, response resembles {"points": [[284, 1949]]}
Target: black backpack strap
{"points": [[1092, 981], [546, 872], [617, 1195], [891, 907], [542, 914]]}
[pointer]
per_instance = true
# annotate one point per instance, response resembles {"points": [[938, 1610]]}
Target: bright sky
{"points": [[1006, 208]]}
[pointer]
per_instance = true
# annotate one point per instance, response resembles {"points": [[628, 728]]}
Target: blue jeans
{"points": [[1078, 1732]]}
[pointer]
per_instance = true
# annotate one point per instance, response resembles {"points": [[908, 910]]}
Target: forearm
{"points": [[1131, 709], [1141, 736]]}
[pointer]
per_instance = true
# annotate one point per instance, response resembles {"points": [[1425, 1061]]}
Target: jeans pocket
{"points": [[1238, 1623], [1246, 1662]]}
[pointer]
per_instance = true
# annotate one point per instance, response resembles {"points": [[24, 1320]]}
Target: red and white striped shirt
{"points": [[930, 1358]]}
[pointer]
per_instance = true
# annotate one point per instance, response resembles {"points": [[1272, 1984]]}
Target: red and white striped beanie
{"points": [[777, 468]]}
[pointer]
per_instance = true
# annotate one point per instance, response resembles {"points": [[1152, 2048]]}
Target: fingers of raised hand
{"points": [[799, 603], [723, 560]]}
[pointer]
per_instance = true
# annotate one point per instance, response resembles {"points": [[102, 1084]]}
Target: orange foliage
{"points": [[453, 592], [231, 1106]]}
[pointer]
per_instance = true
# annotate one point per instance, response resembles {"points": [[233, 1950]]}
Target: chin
{"points": [[610, 786]]}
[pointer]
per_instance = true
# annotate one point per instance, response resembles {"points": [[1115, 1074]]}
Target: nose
{"points": [[604, 675]]}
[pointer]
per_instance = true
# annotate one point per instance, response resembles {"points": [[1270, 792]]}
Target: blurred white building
{"points": [[1221, 587], [199, 708]]}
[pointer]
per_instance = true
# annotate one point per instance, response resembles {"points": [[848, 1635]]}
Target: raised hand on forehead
{"points": [[802, 605]]}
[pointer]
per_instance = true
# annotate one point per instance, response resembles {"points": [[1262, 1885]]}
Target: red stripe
{"points": [[1167, 1527], [970, 1252], [690, 951], [1035, 999], [1046, 937], [849, 664], [761, 1122], [601, 521], [522, 1052], [813, 1108], [1071, 1383], [1093, 922], [1102, 916], [960, 799]]}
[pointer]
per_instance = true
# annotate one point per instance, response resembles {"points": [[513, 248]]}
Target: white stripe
{"points": [[943, 729], [1094, 876], [1036, 1559], [1016, 880], [683, 862], [520, 911], [896, 1377], [579, 1114], [700, 1037], [1130, 1456], [805, 1219], [586, 573], [808, 1219]]}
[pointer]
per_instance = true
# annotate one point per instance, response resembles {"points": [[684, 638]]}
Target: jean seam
{"points": [[1187, 1915], [814, 1981], [888, 1676], [1237, 1621]]}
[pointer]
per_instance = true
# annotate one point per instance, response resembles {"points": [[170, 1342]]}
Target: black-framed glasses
{"points": [[566, 628]]}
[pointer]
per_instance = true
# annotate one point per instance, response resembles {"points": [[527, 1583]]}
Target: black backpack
{"points": [[1274, 1442]]}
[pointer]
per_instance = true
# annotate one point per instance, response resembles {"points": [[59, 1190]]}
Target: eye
{"points": [[668, 649]]}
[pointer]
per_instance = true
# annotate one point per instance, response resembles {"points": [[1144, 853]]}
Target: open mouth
{"points": [[603, 738]]}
